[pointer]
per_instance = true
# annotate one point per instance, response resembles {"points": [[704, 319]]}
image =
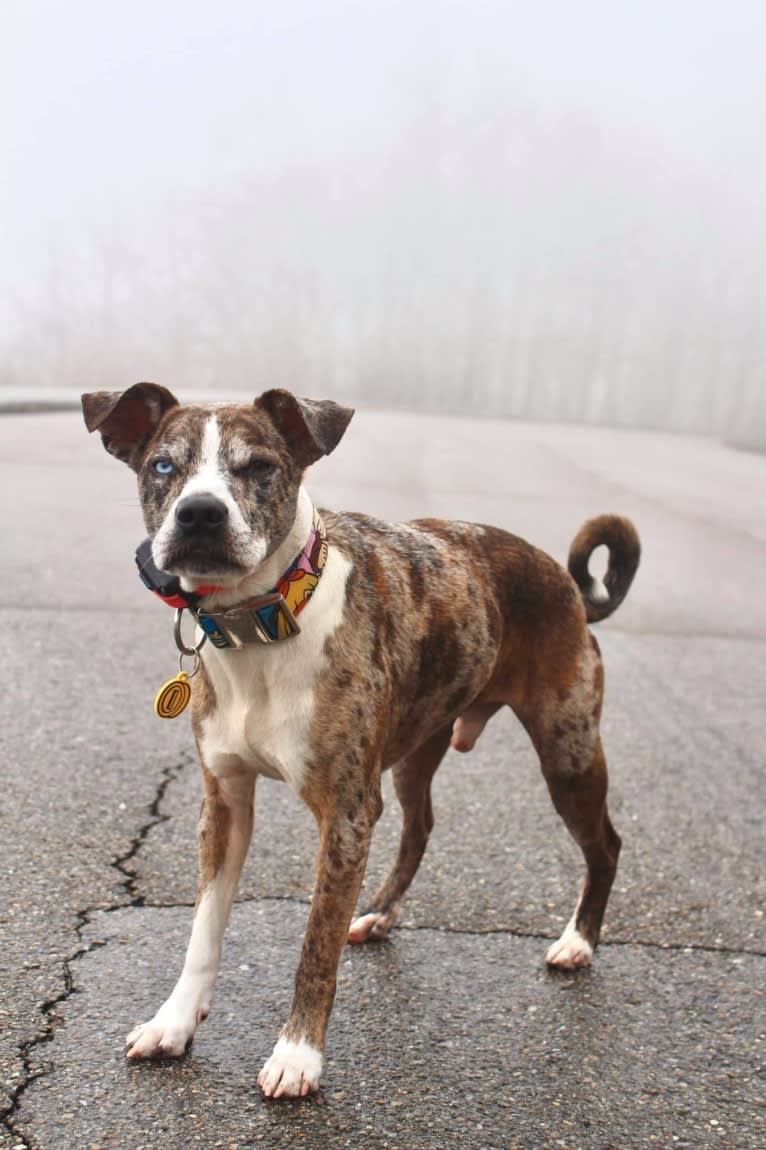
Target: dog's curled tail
{"points": [[621, 537]]}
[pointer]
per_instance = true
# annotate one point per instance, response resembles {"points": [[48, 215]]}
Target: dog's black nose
{"points": [[201, 513]]}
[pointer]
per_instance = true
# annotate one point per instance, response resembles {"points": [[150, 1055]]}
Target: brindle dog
{"points": [[414, 635]]}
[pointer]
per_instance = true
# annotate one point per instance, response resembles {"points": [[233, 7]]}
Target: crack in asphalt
{"points": [[122, 862], [470, 932], [604, 944], [48, 1008], [51, 1023]]}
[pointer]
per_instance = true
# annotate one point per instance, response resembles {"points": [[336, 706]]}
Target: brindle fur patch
{"points": [[214, 826], [202, 700]]}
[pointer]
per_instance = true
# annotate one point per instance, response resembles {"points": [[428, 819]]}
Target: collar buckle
{"points": [[266, 619]]}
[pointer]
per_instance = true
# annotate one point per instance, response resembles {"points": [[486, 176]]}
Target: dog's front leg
{"points": [[226, 826], [295, 1065]]}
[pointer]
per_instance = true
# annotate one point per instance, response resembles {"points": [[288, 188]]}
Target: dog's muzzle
{"points": [[201, 513], [200, 542]]}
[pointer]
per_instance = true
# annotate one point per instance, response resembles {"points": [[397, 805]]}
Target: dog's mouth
{"points": [[196, 561]]}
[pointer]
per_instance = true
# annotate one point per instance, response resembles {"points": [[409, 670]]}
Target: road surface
{"points": [[453, 1034]]}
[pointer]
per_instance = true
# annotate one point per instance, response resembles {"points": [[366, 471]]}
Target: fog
{"points": [[548, 211]]}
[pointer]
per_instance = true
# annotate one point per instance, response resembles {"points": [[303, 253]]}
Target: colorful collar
{"points": [[264, 619]]}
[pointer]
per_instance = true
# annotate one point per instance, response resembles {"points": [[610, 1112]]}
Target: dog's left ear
{"points": [[311, 427], [127, 419]]}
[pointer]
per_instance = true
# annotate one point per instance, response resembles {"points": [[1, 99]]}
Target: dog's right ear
{"points": [[312, 427], [127, 419]]}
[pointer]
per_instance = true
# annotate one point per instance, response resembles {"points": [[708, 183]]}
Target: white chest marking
{"points": [[265, 694]]}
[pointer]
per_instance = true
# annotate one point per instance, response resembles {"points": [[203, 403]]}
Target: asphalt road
{"points": [[453, 1034]]}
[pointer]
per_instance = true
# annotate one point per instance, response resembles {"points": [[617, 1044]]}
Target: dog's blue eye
{"points": [[163, 467]]}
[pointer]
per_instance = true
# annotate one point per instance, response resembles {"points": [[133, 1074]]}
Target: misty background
{"points": [[552, 211]]}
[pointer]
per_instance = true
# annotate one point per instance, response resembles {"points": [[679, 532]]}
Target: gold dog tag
{"points": [[172, 697]]}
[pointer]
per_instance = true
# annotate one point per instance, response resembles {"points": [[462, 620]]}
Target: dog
{"points": [[339, 646]]}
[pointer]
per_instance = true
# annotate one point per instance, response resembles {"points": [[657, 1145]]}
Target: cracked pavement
{"points": [[453, 1033]]}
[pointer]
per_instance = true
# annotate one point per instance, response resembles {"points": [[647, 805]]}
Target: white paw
{"points": [[375, 925], [571, 951], [293, 1071], [166, 1036]]}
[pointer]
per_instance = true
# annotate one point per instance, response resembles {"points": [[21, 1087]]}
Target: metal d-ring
{"points": [[179, 637], [195, 665]]}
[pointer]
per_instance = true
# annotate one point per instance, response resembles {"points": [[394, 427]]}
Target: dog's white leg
{"points": [[226, 826], [295, 1065]]}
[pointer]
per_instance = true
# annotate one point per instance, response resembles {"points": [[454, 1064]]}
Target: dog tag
{"points": [[172, 697]]}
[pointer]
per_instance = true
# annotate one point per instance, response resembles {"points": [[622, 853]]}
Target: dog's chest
{"points": [[264, 695]]}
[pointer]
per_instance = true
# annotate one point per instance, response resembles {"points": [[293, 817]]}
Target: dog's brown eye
{"points": [[255, 468]]}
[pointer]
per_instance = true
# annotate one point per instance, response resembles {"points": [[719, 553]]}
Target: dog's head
{"points": [[218, 484]]}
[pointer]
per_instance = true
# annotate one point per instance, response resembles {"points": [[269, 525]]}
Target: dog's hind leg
{"points": [[574, 767], [412, 782], [226, 825], [581, 801]]}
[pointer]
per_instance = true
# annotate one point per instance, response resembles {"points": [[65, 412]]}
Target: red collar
{"points": [[167, 587]]}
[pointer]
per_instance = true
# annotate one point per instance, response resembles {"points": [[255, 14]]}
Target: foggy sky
{"points": [[554, 210]]}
